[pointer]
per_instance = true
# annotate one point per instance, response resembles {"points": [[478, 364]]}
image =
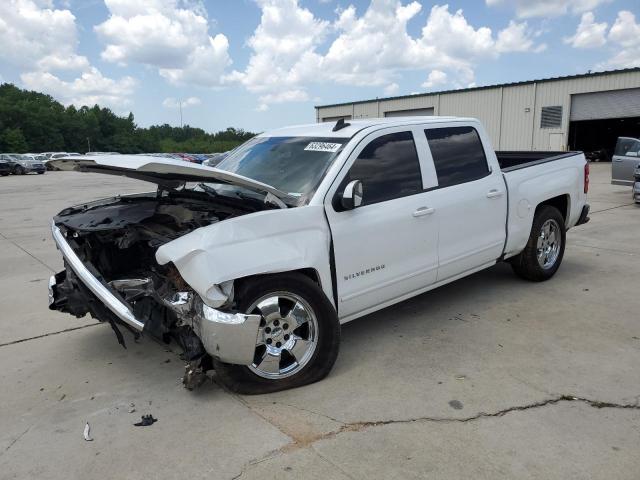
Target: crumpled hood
{"points": [[162, 171]]}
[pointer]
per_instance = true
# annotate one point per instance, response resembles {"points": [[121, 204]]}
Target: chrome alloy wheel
{"points": [[287, 337], [549, 243]]}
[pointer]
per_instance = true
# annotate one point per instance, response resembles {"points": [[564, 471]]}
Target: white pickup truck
{"points": [[252, 266]]}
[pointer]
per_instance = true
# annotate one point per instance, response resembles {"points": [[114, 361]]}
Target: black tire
{"points": [[240, 379], [19, 171], [40, 173], [526, 264]]}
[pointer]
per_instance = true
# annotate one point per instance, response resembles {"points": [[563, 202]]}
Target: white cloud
{"points": [[171, 102], [517, 38], [370, 49], [547, 8], [33, 36], [41, 40], [89, 89], [589, 33], [435, 78], [171, 35], [391, 89], [625, 33], [283, 47]]}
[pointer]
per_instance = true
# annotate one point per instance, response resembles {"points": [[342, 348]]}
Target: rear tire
{"points": [[19, 171], [319, 341], [542, 256]]}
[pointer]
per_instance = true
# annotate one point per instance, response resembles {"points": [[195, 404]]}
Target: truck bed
{"points": [[513, 160]]}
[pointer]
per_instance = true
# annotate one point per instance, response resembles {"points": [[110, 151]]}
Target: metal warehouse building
{"points": [[581, 112]]}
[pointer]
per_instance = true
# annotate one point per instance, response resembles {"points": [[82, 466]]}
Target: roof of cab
{"points": [[326, 129]]}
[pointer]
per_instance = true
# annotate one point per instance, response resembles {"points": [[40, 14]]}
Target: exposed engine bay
{"points": [[116, 239]]}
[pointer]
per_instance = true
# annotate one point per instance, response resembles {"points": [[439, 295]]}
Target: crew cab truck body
{"points": [[253, 269]]}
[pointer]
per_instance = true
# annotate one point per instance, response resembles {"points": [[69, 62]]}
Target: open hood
{"points": [[163, 171]]}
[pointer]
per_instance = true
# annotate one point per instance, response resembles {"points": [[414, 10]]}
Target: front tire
{"points": [[19, 171], [542, 256], [298, 340]]}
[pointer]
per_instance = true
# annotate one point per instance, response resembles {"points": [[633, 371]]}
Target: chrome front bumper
{"points": [[118, 308], [231, 337]]}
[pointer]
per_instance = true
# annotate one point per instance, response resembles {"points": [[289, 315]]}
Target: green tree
{"points": [[36, 122], [12, 140]]}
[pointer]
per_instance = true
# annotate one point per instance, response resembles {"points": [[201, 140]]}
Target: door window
{"points": [[624, 146], [458, 155], [388, 168]]}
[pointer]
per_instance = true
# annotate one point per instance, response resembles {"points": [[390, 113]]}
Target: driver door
{"points": [[387, 247]]}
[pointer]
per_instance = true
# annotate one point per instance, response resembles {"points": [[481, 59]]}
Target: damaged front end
{"points": [[111, 273]]}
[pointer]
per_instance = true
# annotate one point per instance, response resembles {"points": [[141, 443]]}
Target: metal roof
{"points": [[325, 129], [485, 87]]}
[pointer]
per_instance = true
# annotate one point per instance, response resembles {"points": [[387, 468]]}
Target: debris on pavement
{"points": [[87, 432], [132, 407], [194, 375], [146, 421]]}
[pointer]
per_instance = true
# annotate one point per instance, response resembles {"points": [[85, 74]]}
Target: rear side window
{"points": [[458, 155], [388, 168]]}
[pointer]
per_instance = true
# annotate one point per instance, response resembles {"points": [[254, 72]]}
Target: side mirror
{"points": [[352, 195]]}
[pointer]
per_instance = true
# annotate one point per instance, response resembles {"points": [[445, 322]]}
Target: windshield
{"points": [[294, 165]]}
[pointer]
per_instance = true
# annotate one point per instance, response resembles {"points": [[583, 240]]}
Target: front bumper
{"points": [[230, 337]]}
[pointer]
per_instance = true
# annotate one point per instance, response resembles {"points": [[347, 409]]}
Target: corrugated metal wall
{"points": [[511, 114]]}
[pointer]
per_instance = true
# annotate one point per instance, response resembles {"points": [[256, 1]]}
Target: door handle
{"points": [[617, 159], [494, 193], [422, 211]]}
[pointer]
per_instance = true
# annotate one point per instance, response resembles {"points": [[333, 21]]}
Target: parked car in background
{"points": [[53, 155], [198, 157], [252, 268], [186, 157], [22, 164], [5, 167], [601, 155], [626, 158], [214, 159], [102, 153]]}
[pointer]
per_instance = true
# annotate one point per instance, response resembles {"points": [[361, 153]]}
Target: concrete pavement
{"points": [[489, 377]]}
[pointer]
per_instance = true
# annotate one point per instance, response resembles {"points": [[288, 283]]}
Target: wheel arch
{"points": [[310, 273], [561, 202]]}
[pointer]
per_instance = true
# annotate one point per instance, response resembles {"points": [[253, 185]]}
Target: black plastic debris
{"points": [[146, 421]]}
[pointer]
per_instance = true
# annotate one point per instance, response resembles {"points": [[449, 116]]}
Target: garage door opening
{"points": [[597, 138]]}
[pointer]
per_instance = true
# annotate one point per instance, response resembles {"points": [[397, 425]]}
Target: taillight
{"points": [[586, 177]]}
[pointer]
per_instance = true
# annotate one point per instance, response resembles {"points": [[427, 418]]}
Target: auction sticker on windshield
{"points": [[323, 147]]}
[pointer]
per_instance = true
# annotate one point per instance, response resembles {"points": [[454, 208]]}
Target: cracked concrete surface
{"points": [[490, 377]]}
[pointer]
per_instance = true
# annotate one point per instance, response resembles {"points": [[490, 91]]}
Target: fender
{"points": [[271, 241]]}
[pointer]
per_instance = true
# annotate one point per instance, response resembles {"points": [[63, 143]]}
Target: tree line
{"points": [[34, 122]]}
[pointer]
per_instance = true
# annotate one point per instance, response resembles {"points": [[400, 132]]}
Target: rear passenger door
{"points": [[470, 201], [387, 247]]}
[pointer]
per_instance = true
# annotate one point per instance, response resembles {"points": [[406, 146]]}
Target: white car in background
{"points": [[53, 155], [251, 267]]}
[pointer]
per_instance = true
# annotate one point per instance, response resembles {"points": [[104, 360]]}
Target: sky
{"points": [[261, 64]]}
